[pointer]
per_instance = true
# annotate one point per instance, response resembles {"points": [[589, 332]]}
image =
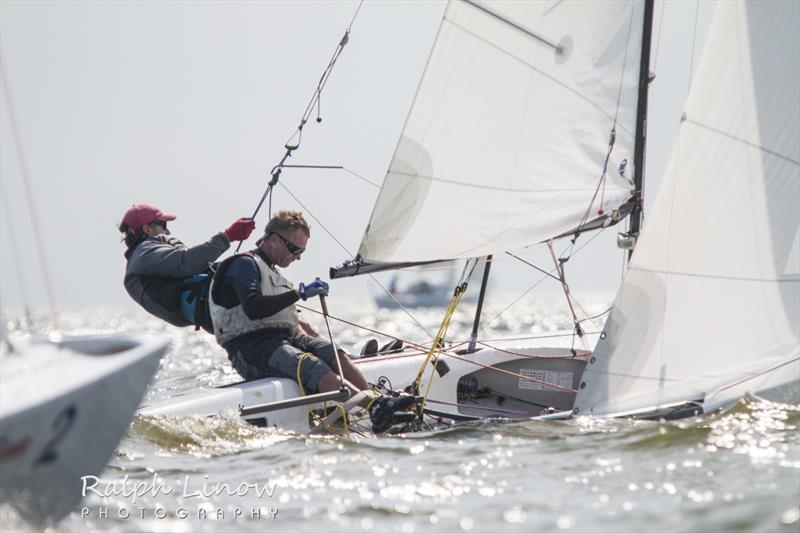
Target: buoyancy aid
{"points": [[231, 323]]}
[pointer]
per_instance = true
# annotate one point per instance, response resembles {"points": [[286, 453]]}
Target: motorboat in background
{"points": [[64, 407], [422, 292]]}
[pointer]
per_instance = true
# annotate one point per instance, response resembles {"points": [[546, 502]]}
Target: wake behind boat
{"points": [[64, 407]]}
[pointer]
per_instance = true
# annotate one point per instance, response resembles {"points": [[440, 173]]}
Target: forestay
{"points": [[710, 300], [507, 137]]}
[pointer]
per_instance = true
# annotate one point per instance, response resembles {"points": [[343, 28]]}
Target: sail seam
{"points": [[708, 276], [413, 175], [544, 74], [744, 141], [632, 376]]}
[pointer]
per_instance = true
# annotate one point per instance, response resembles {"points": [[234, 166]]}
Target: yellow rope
{"points": [[299, 379], [324, 404], [438, 343], [344, 417]]}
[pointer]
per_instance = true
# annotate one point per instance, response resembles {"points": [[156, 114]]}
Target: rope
{"points": [[303, 356], [560, 269], [438, 341], [440, 335], [530, 356], [365, 328], [449, 353], [437, 345]]}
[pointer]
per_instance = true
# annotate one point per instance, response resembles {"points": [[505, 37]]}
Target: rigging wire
{"points": [[343, 247], [314, 102], [362, 178], [694, 41], [613, 135], [658, 37], [16, 253], [543, 271], [26, 181], [537, 283]]}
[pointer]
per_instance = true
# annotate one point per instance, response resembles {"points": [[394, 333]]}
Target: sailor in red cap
{"points": [[163, 275]]}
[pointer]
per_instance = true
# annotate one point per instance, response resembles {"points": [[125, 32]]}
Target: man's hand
{"points": [[241, 229], [306, 328], [315, 288]]}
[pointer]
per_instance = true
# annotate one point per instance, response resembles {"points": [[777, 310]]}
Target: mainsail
{"points": [[710, 300], [508, 136]]}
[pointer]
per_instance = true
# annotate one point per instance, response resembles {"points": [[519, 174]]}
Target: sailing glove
{"points": [[315, 288], [241, 229]]}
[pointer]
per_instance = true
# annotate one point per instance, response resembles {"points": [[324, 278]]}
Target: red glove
{"points": [[241, 229]]}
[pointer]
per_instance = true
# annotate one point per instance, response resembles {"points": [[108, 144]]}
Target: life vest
{"points": [[231, 323], [194, 300]]}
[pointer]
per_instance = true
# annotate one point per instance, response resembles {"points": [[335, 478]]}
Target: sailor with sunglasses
{"points": [[255, 319], [164, 276]]}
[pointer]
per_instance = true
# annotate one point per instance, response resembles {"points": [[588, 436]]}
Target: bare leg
{"points": [[330, 382], [353, 374]]}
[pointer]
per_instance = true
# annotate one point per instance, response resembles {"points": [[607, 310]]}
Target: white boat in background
{"points": [[422, 292], [64, 407], [419, 294], [525, 127]]}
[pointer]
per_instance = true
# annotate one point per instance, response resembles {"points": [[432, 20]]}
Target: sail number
{"points": [[61, 426]]}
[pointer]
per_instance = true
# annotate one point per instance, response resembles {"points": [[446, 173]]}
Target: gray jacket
{"points": [[158, 266]]}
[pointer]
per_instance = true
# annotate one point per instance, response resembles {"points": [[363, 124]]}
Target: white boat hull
{"points": [[65, 406]]}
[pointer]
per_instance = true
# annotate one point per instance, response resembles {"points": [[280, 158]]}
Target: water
{"points": [[737, 470]]}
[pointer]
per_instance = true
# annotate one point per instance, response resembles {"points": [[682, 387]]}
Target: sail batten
{"points": [[507, 142]]}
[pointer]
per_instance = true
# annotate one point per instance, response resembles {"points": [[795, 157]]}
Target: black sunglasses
{"points": [[161, 223], [293, 248]]}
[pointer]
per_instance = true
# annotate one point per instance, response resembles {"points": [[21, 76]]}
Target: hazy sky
{"points": [[188, 105]]}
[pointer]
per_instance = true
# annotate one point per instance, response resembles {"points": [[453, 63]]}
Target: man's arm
{"points": [[168, 257], [245, 278]]}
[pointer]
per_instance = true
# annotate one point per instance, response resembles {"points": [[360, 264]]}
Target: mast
{"points": [[641, 124], [473, 339]]}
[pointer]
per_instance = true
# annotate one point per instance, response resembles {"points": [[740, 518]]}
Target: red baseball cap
{"points": [[140, 214]]}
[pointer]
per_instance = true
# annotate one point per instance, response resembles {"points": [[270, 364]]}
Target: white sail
{"points": [[507, 138], [711, 301]]}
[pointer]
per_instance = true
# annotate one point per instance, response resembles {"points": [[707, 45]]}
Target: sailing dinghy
{"points": [[64, 407], [528, 127]]}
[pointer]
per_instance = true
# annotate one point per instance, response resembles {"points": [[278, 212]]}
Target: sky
{"points": [[188, 105]]}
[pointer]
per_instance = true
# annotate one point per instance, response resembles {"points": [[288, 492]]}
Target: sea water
{"points": [[735, 470]]}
